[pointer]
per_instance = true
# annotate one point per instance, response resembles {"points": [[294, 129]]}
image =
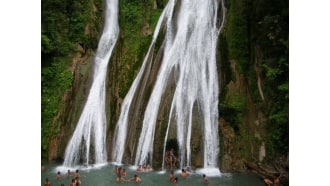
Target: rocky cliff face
{"points": [[242, 117], [246, 141], [66, 119], [243, 141]]}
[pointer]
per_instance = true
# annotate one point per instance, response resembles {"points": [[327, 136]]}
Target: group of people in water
{"points": [[122, 174], [144, 168], [184, 174], [170, 159], [276, 182], [74, 182]]}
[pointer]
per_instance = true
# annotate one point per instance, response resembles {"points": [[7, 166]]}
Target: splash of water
{"points": [[91, 127]]}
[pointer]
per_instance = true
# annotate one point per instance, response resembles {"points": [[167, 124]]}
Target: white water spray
{"points": [[91, 127]]}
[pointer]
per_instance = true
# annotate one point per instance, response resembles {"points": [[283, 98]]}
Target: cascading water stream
{"points": [[192, 52], [189, 54], [91, 127], [121, 127]]}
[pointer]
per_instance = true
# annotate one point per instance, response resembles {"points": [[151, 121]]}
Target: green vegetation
{"points": [[250, 24], [238, 33], [67, 24], [272, 35], [64, 25], [232, 111], [54, 81], [264, 25], [135, 18]]}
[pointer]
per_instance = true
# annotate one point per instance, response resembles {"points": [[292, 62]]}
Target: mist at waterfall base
{"points": [[105, 176]]}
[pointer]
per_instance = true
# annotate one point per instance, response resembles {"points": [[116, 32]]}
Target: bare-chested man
{"points": [[136, 179]]}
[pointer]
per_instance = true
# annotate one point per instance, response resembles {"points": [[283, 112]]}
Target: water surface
{"points": [[105, 176]]}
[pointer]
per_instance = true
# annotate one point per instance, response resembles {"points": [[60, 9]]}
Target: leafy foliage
{"points": [[54, 81], [67, 23], [64, 24], [133, 16], [237, 31], [273, 37], [264, 24]]}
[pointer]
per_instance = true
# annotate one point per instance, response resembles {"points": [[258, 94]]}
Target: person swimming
{"points": [[136, 179], [205, 179]]}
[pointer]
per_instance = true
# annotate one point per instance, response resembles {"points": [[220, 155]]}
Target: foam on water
{"points": [[64, 169], [209, 172], [161, 172]]}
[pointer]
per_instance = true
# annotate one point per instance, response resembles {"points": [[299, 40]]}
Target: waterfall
{"points": [[121, 126], [192, 52], [91, 127], [189, 54]]}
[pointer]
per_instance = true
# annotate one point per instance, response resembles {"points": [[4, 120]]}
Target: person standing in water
{"points": [[78, 182], [205, 179], [73, 182], [172, 158], [68, 174], [139, 169], [76, 174], [183, 174], [58, 175], [120, 179], [123, 173], [175, 180], [171, 176], [47, 182], [43, 168], [136, 179], [117, 171], [277, 180]]}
